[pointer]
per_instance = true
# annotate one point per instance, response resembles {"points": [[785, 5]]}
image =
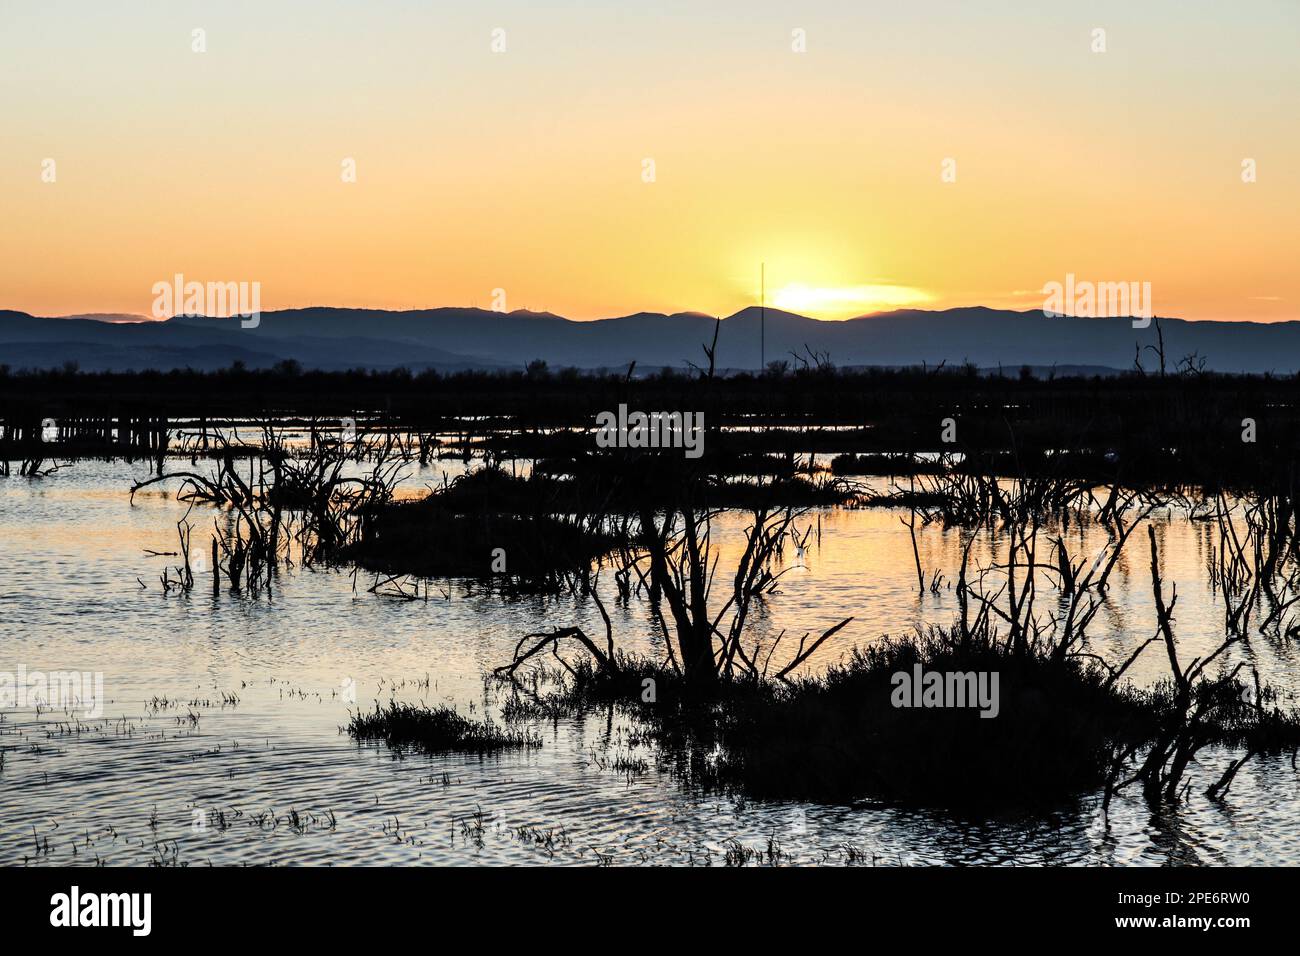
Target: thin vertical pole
{"points": [[762, 316]]}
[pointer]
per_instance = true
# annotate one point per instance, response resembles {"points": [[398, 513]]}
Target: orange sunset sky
{"points": [[523, 169]]}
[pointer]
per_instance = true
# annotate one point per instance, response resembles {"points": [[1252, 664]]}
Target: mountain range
{"points": [[449, 339]]}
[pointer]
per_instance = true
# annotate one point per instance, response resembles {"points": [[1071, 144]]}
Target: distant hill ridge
{"points": [[457, 338]]}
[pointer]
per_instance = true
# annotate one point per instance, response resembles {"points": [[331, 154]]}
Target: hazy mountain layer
{"points": [[330, 338]]}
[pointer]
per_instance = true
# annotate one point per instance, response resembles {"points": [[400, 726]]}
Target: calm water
{"points": [[220, 741]]}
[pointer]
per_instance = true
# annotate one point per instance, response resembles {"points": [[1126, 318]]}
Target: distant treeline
{"points": [[1201, 422]]}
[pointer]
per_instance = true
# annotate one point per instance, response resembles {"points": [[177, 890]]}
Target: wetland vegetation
{"points": [[287, 469]]}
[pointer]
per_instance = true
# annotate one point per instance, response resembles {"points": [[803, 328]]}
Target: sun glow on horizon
{"points": [[844, 302]]}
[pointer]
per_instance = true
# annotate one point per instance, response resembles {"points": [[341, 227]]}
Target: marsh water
{"points": [[219, 740]]}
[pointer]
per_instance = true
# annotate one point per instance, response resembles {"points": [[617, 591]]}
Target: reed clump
{"points": [[435, 730], [487, 524], [1060, 728]]}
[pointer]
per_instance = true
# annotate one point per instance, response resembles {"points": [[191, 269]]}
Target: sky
{"points": [[617, 157]]}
